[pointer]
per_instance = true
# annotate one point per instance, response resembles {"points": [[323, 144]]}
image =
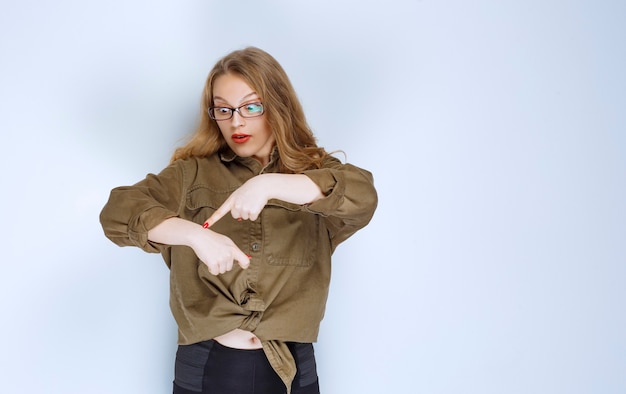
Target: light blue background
{"points": [[496, 261]]}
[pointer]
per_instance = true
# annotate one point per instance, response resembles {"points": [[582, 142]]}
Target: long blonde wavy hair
{"points": [[297, 147]]}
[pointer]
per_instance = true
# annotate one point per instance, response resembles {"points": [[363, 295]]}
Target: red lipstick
{"points": [[240, 138]]}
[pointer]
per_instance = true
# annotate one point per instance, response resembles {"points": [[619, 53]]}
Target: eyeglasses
{"points": [[250, 110]]}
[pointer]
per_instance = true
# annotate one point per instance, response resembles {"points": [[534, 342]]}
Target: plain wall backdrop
{"points": [[495, 263]]}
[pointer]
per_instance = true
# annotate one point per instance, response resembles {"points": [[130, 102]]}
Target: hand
{"points": [[219, 252], [246, 203], [215, 250]]}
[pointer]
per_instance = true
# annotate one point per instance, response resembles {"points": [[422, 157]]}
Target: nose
{"points": [[237, 120]]}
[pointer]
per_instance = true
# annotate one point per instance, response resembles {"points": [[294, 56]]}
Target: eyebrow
{"points": [[244, 98]]}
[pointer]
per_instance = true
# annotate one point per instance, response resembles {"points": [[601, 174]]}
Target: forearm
{"points": [[175, 231], [294, 188], [217, 251]]}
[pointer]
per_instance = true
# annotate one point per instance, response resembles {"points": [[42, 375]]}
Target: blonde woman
{"points": [[246, 216]]}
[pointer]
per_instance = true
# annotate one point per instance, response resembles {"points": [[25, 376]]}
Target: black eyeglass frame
{"points": [[238, 109]]}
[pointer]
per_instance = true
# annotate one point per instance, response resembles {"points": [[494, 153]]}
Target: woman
{"points": [[246, 216]]}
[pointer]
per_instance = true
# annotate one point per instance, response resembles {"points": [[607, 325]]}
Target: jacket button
{"points": [[255, 247]]}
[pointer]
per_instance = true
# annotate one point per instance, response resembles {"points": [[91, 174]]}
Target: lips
{"points": [[240, 138]]}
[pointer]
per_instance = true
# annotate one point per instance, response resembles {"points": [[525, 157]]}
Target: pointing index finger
{"points": [[218, 214]]}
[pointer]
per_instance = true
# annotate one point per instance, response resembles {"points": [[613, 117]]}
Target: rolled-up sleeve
{"points": [[132, 211], [350, 198]]}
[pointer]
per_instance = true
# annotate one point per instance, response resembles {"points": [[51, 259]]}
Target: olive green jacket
{"points": [[282, 295]]}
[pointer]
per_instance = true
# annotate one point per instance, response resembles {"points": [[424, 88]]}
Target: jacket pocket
{"points": [[203, 201], [292, 236], [202, 196]]}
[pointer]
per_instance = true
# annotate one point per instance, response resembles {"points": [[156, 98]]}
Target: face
{"points": [[247, 137]]}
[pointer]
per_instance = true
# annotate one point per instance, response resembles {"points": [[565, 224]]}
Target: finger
{"points": [[220, 267], [238, 212], [218, 214], [229, 265], [243, 259], [244, 214], [213, 269]]}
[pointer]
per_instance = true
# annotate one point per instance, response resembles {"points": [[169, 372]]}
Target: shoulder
{"points": [[188, 170], [195, 162], [330, 161], [333, 163]]}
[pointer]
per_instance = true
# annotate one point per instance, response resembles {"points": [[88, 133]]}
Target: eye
{"points": [[253, 108], [221, 110]]}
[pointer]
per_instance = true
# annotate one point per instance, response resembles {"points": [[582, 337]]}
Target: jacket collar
{"points": [[227, 155]]}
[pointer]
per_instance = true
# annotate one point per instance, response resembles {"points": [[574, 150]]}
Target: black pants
{"points": [[211, 368]]}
